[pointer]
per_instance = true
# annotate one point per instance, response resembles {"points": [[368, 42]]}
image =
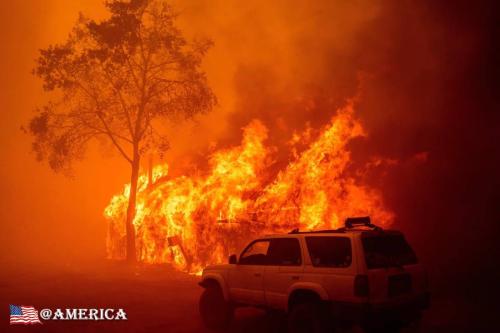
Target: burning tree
{"points": [[115, 81]]}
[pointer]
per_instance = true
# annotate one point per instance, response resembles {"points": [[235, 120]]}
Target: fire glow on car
{"points": [[194, 220]]}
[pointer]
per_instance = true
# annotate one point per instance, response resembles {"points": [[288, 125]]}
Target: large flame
{"points": [[192, 221]]}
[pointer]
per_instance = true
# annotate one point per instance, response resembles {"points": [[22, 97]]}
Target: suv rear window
{"points": [[387, 250], [328, 251]]}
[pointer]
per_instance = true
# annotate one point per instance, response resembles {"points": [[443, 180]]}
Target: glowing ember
{"points": [[192, 221]]}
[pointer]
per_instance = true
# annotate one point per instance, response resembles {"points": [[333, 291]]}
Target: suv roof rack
{"points": [[364, 221], [349, 224], [327, 231]]}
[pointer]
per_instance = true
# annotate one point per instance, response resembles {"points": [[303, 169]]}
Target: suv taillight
{"points": [[361, 286]]}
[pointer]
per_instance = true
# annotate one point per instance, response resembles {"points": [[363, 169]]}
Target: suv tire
{"points": [[215, 311], [308, 317]]}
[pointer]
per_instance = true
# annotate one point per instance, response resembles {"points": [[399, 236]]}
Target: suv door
{"points": [[284, 268], [246, 279]]}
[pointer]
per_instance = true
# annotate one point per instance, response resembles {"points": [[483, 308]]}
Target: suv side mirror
{"points": [[233, 259]]}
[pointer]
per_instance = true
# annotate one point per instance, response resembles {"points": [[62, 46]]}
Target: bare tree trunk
{"points": [[131, 253]]}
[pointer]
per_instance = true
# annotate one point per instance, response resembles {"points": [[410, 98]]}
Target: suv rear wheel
{"points": [[308, 317], [215, 312]]}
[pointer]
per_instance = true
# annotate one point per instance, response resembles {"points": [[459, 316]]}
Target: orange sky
{"points": [[44, 214]]}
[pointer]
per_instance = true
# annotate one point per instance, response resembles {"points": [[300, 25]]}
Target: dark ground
{"points": [[159, 299]]}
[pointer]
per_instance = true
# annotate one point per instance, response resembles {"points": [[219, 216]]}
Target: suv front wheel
{"points": [[215, 312]]}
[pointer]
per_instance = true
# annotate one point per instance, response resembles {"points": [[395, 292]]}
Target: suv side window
{"points": [[329, 251], [284, 252], [255, 253]]}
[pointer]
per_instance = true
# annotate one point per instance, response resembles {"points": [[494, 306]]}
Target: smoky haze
{"points": [[425, 83], [424, 77]]}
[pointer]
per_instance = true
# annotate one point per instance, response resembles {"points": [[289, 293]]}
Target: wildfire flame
{"points": [[192, 221]]}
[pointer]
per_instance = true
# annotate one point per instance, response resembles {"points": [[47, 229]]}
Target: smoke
{"points": [[424, 81], [289, 63]]}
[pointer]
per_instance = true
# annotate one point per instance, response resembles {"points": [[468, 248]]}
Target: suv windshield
{"points": [[255, 253], [384, 250]]}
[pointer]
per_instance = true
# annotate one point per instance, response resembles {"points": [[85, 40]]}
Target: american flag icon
{"points": [[21, 314]]}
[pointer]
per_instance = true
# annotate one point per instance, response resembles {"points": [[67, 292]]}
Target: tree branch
{"points": [[122, 101], [110, 134], [107, 129]]}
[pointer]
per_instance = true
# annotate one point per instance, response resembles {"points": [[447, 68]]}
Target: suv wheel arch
{"points": [[299, 296], [305, 291], [215, 281]]}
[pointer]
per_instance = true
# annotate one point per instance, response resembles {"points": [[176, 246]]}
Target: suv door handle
{"points": [[257, 274], [295, 277]]}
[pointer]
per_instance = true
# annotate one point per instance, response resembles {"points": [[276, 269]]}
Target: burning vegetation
{"points": [[194, 220]]}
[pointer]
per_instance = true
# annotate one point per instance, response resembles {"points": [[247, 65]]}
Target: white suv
{"points": [[359, 274]]}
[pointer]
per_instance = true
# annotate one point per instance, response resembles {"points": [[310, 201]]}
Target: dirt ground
{"points": [[160, 299]]}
